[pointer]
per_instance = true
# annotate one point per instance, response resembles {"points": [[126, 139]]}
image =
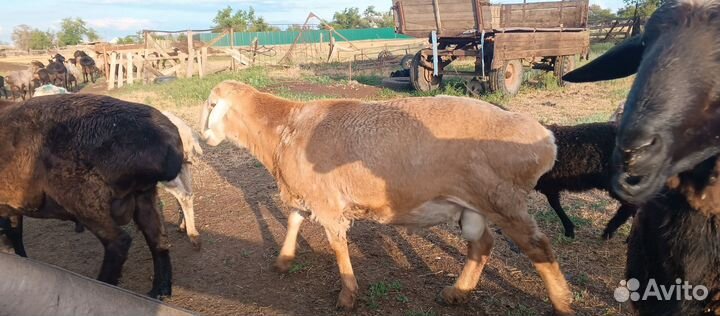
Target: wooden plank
{"points": [[232, 46], [140, 64], [451, 18], [154, 71], [191, 56], [130, 65], [441, 2], [517, 45], [120, 76], [217, 39], [204, 52], [145, 55], [160, 50], [201, 71], [111, 78], [171, 70]]}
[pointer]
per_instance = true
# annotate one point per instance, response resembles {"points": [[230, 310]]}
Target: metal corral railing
{"points": [[306, 37]]}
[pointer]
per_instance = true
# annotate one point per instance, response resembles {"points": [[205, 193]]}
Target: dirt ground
{"points": [[242, 225]]}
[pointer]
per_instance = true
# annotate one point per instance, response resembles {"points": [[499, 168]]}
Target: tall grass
{"points": [[190, 91]]}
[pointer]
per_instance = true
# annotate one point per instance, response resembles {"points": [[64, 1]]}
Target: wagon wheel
{"points": [[563, 65], [384, 55], [406, 62], [475, 87], [508, 78], [422, 78]]}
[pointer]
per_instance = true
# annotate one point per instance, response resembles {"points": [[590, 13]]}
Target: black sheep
{"points": [[91, 159], [666, 153], [583, 163]]}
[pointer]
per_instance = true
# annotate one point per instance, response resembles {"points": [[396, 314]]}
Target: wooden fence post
{"points": [[130, 67], [141, 68], [111, 73], [204, 56], [191, 55], [106, 63], [120, 75], [232, 46]]}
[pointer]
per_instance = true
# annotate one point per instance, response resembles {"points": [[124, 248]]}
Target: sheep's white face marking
{"points": [[215, 132]]}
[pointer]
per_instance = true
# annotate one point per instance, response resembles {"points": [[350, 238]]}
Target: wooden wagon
{"points": [[504, 39]]}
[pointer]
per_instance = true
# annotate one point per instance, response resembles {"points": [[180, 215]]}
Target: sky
{"points": [[117, 18]]}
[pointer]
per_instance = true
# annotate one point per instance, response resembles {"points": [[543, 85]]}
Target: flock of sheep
{"points": [[415, 162], [59, 72]]}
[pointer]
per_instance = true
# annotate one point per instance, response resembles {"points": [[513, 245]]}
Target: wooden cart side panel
{"points": [[510, 46], [458, 18], [568, 14]]}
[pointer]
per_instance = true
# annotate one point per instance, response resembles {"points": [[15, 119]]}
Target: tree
{"points": [[26, 38], [598, 14], [92, 35], [641, 9], [378, 19], [73, 31], [40, 39], [21, 36], [241, 21], [130, 39], [349, 18]]}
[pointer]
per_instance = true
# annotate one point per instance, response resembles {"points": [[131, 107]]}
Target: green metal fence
{"points": [[308, 36]]}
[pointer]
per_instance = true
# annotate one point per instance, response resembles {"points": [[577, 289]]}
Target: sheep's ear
{"points": [[620, 61]]}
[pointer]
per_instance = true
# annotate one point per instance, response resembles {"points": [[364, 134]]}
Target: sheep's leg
{"points": [[147, 218], [338, 242], [13, 228], [480, 244], [621, 216], [554, 200], [523, 230], [181, 189], [72, 187], [287, 252]]}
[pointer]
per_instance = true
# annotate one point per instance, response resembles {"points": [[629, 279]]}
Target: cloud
{"points": [[121, 24]]}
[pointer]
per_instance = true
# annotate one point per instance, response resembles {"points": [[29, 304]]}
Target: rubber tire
{"points": [[397, 83], [164, 79], [406, 62], [499, 81], [563, 65], [422, 78]]}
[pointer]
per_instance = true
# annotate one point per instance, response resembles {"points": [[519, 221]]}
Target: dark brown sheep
{"points": [[57, 71], [88, 65], [95, 160]]}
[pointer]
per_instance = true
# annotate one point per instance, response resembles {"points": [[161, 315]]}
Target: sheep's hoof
{"points": [[453, 296], [160, 294], [607, 235], [283, 264], [346, 300], [79, 228], [195, 241], [570, 233], [568, 312]]}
